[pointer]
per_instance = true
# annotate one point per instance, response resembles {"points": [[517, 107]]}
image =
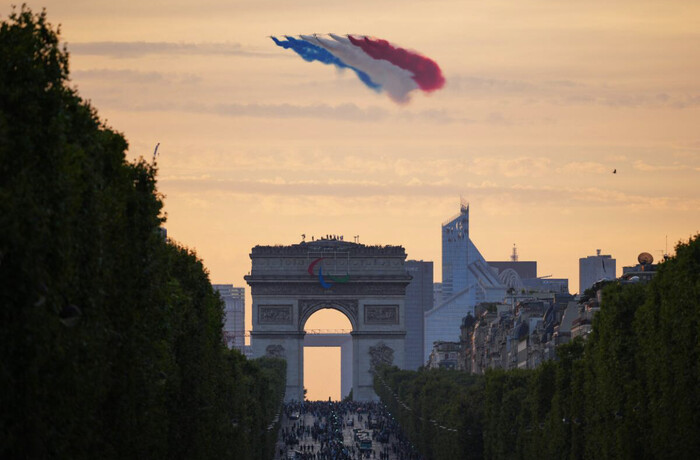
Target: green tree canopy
{"points": [[110, 336]]}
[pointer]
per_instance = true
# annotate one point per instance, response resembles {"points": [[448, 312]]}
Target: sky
{"points": [[543, 100]]}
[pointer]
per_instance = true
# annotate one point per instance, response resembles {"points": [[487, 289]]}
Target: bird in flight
{"points": [[615, 171]]}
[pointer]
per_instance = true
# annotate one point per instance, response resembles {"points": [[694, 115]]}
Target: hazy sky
{"points": [[543, 100]]}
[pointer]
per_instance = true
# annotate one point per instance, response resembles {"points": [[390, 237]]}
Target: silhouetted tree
{"points": [[110, 336]]}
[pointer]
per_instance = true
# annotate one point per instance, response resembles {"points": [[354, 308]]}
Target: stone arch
{"points": [[286, 294], [307, 307]]}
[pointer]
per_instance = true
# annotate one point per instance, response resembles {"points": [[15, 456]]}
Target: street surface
{"points": [[320, 430]]}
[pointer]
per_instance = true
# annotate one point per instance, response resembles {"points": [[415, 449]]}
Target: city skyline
{"points": [[183, 180], [543, 101]]}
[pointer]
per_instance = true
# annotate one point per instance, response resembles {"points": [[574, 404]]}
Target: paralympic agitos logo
{"points": [[321, 279]]}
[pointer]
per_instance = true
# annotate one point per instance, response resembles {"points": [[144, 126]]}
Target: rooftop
{"points": [[330, 244]]}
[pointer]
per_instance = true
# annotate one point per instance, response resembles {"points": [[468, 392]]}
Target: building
{"points": [[595, 268], [419, 299], [455, 254], [644, 271], [501, 337], [467, 280], [524, 269], [526, 332], [562, 331], [437, 293], [521, 276], [367, 284], [234, 315], [445, 355], [546, 284]]}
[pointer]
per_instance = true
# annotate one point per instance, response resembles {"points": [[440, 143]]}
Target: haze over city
{"points": [[543, 101]]}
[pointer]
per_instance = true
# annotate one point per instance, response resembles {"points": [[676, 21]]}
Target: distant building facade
{"points": [[526, 280], [556, 285], [437, 293], [234, 315], [501, 336], [595, 268], [466, 281], [524, 331], [445, 355], [419, 299], [455, 254], [524, 269]]}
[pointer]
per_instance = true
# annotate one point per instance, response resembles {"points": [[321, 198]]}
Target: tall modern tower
{"points": [[234, 315], [466, 281], [419, 299], [595, 268], [455, 253]]}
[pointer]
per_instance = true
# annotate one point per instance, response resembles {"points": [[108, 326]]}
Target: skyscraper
{"points": [[455, 253], [595, 268], [234, 315], [419, 299], [466, 281]]}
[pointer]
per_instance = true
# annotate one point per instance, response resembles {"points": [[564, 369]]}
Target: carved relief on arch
{"points": [[308, 307]]}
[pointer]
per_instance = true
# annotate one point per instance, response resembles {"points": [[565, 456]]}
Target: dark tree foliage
{"points": [[668, 333], [436, 398], [631, 391], [110, 336]]}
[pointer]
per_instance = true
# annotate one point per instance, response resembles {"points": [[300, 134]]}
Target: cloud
{"points": [[133, 76], [344, 112], [647, 100], [512, 193], [570, 92], [140, 49], [486, 85], [511, 167], [584, 167], [642, 166], [691, 145]]}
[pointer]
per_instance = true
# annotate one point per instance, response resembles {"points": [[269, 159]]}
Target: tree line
{"points": [[630, 391], [110, 335]]}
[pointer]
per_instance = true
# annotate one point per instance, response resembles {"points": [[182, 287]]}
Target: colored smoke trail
{"points": [[425, 71], [310, 52], [397, 82], [379, 64]]}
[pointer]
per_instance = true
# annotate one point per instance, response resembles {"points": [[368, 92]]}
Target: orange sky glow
{"points": [[543, 100]]}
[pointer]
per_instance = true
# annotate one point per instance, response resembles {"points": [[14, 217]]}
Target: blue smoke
{"points": [[310, 52]]}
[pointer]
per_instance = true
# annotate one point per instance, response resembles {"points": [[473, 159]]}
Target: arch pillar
{"points": [[288, 346], [372, 348]]}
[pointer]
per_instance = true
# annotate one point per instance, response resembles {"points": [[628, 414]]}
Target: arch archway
{"points": [[348, 309], [369, 291], [327, 355]]}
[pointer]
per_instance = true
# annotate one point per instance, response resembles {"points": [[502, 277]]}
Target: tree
{"points": [[668, 331], [111, 335], [629, 391]]}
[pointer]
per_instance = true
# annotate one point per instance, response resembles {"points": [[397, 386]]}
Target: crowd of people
{"points": [[347, 430]]}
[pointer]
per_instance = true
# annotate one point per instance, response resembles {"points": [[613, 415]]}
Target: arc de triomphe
{"points": [[365, 283]]}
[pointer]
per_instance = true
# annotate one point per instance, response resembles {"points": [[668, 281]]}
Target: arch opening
{"points": [[327, 355], [327, 318], [348, 312]]}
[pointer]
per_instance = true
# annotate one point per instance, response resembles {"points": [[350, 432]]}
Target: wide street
{"points": [[321, 430]]}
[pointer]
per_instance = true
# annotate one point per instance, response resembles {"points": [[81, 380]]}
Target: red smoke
{"points": [[425, 71]]}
